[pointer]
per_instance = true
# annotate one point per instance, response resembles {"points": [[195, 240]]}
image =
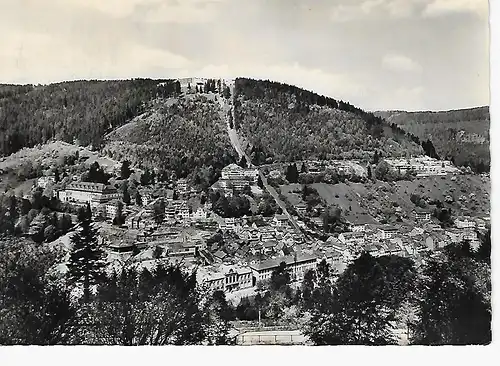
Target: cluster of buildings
{"points": [[341, 167], [235, 179], [423, 166]]}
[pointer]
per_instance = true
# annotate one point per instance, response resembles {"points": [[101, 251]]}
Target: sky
{"points": [[376, 54]]}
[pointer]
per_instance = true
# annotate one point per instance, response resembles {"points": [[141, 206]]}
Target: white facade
{"points": [[423, 166], [235, 172], [296, 266], [85, 192], [43, 182]]}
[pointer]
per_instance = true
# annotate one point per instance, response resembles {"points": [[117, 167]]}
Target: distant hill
{"points": [[285, 123], [462, 135]]}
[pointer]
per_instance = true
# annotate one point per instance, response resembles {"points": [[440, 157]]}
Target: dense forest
{"points": [[185, 135], [82, 111], [284, 123], [460, 135]]}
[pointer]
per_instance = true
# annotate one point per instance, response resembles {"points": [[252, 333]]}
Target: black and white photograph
{"points": [[245, 173]]}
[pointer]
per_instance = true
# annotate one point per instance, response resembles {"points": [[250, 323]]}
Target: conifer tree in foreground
{"points": [[86, 263]]}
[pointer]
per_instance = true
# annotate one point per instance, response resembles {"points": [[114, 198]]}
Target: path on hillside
{"points": [[235, 141]]}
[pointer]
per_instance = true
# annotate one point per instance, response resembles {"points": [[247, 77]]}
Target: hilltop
{"points": [[281, 122], [461, 135], [182, 128]]}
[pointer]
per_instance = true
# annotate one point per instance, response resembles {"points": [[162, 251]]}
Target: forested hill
{"points": [[68, 111], [285, 123], [185, 135], [461, 135]]}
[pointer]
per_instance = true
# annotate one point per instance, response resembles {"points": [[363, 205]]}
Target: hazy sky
{"points": [[377, 54]]}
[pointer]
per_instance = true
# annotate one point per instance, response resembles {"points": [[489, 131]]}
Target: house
{"points": [[422, 215], [199, 214], [387, 231], [170, 212], [183, 213], [220, 255], [436, 241], [190, 84], [86, 192], [226, 278], [360, 223], [465, 223], [235, 172], [352, 238], [43, 182], [269, 246], [296, 265], [374, 250], [182, 249], [301, 208], [393, 248], [280, 220], [182, 186], [266, 233], [111, 208]]}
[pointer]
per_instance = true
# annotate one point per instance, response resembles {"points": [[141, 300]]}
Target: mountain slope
{"points": [[77, 110], [285, 123], [175, 134], [459, 134]]}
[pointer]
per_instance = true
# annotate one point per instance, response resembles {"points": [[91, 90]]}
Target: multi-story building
{"points": [[226, 278], [422, 215], [465, 223], [352, 239], [422, 166], [297, 266], [85, 192], [190, 84], [111, 208], [182, 186], [199, 214], [280, 221], [235, 172], [387, 231]]}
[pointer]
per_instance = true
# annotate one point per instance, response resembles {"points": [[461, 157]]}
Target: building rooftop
{"points": [[388, 228], [272, 263], [361, 220]]}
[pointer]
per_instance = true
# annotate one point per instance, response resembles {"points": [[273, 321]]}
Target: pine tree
{"points": [[138, 199], [125, 170], [126, 196], [86, 263]]}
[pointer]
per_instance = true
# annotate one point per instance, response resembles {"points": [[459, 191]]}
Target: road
{"points": [[235, 141]]}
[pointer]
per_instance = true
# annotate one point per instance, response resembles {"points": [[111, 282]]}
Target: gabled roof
{"points": [[269, 244], [350, 234], [388, 228], [361, 219], [220, 254], [273, 263], [232, 167]]}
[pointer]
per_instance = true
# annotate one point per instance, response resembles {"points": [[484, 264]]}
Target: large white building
{"points": [[226, 278], [423, 166], [297, 266], [235, 172], [86, 192]]}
